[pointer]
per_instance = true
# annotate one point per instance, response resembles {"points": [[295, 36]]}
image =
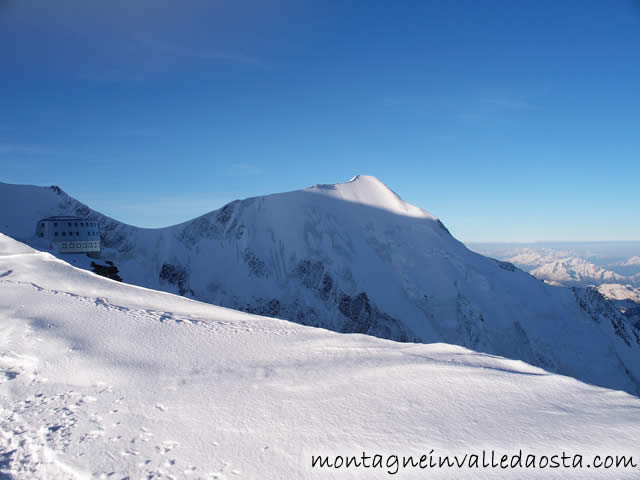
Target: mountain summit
{"points": [[368, 190], [354, 257]]}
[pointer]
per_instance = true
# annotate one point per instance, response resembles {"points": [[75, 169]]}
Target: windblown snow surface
{"points": [[106, 380], [355, 258]]}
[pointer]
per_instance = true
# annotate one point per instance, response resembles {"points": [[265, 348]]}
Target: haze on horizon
{"points": [[510, 122]]}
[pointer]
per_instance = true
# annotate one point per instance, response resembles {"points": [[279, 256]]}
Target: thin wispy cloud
{"points": [[422, 100], [113, 76], [510, 103], [10, 148], [245, 169], [133, 132], [167, 48], [456, 102], [466, 108]]}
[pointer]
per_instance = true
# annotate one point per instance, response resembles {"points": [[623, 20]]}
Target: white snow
{"points": [[529, 257], [616, 291], [370, 191], [572, 265], [635, 260], [354, 257], [106, 380], [570, 271]]}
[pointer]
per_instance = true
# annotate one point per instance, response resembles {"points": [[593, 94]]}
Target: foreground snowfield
{"points": [[106, 380]]}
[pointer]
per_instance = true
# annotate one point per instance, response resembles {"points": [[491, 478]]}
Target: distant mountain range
{"points": [[576, 271], [564, 266], [354, 257]]}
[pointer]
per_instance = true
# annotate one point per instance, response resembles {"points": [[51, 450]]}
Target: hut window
{"points": [[55, 234], [55, 224]]}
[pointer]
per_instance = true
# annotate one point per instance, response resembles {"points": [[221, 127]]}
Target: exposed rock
{"points": [[257, 267], [176, 275], [441, 225], [109, 270], [270, 308], [599, 309], [509, 267]]}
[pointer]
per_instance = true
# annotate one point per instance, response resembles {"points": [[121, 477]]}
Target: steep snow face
{"points": [[104, 380], [353, 257]]}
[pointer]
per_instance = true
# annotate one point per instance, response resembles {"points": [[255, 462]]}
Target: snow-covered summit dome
{"points": [[369, 190]]}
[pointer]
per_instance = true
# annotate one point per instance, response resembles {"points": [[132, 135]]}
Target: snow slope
{"points": [[100, 379], [354, 257]]}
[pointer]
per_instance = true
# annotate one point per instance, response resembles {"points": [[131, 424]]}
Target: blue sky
{"points": [[511, 121]]}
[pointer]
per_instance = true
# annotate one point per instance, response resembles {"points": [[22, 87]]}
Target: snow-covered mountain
{"points": [[529, 258], [630, 267], [104, 380], [571, 264], [576, 271], [354, 257], [561, 267], [635, 260], [625, 298]]}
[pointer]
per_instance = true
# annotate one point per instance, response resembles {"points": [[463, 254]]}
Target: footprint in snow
{"points": [[166, 447], [10, 374]]}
